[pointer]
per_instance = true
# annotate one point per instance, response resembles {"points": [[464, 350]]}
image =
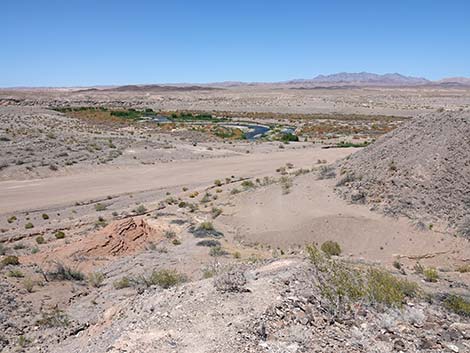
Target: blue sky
{"points": [[93, 42]]}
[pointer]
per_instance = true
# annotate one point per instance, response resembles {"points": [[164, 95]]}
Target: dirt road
{"points": [[55, 191]]}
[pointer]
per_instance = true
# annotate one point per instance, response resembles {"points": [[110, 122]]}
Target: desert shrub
{"points": [[458, 305], [208, 242], [182, 204], [397, 264], [11, 219], [169, 234], [216, 212], [430, 274], [247, 184], [166, 278], [96, 279], [326, 172], [286, 184], [59, 234], [217, 182], [124, 282], [140, 210], [29, 225], [205, 226], [235, 191], [237, 255], [331, 248], [231, 281], [45, 216], [15, 273], [217, 251], [10, 260], [384, 288], [208, 273], [176, 241], [101, 222], [19, 246], [40, 239], [28, 284], [341, 285], [206, 198], [3, 249], [464, 228], [464, 268], [34, 250], [65, 273], [53, 318], [99, 207]]}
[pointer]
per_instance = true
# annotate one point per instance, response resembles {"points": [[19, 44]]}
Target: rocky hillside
{"points": [[420, 170]]}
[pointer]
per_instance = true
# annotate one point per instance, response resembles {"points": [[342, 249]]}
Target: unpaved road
{"points": [[55, 191]]}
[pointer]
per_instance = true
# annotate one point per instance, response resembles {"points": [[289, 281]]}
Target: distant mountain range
{"points": [[365, 78], [333, 81]]}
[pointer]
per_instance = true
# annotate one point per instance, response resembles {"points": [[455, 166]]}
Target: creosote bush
{"points": [[331, 248], [65, 273], [166, 278], [458, 305], [342, 284]]}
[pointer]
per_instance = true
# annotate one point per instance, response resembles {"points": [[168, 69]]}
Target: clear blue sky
{"points": [[92, 42]]}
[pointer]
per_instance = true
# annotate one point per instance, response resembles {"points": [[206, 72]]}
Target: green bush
{"points": [[430, 274], [166, 278], [331, 248], [59, 234], [11, 219], [458, 305], [140, 210], [11, 260]]}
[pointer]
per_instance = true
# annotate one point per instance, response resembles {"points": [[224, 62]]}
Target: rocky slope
{"points": [[421, 170]]}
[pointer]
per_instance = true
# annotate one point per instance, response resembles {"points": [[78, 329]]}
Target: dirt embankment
{"points": [[420, 170]]}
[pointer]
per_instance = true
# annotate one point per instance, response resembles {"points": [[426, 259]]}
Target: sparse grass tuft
{"points": [[124, 282], [15, 273]]}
